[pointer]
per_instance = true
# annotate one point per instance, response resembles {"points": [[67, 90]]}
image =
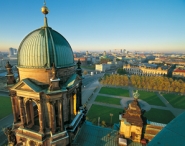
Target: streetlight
{"points": [[98, 121], [111, 119]]}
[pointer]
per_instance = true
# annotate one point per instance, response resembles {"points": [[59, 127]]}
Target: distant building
{"points": [[83, 60], [145, 69], [87, 53], [102, 67], [178, 73], [12, 51]]}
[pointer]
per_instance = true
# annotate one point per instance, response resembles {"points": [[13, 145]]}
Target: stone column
{"points": [[69, 107], [74, 104], [80, 94], [22, 111], [71, 104], [40, 112], [52, 114], [60, 115], [28, 114], [13, 110]]}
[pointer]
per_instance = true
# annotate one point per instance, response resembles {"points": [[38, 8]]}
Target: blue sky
{"points": [[141, 25]]}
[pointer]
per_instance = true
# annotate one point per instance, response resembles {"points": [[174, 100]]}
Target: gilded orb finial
{"points": [[44, 9]]}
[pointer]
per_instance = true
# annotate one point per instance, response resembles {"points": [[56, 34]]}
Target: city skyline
{"points": [[99, 26]]}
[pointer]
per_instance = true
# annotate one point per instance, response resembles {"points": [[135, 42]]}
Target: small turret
{"points": [[10, 75], [79, 70], [54, 81]]}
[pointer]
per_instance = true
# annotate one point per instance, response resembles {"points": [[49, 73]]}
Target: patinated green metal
{"points": [[70, 82], [43, 47]]}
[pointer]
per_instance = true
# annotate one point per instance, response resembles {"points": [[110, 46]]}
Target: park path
{"points": [[115, 96], [89, 94], [129, 98], [175, 111], [109, 105], [130, 91]]}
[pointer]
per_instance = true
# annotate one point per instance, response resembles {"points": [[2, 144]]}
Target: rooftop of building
{"points": [[172, 134], [179, 70], [91, 135]]}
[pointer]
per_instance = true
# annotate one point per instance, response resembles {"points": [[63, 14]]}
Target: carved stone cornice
{"points": [[52, 102], [12, 93], [20, 98], [37, 101]]}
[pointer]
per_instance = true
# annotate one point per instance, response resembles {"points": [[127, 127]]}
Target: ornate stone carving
{"points": [[13, 93], [136, 94], [10, 134], [37, 101], [31, 142], [53, 71], [54, 81], [79, 70], [9, 68], [10, 75]]}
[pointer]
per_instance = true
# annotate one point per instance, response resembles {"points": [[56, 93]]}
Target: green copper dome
{"points": [[43, 47]]}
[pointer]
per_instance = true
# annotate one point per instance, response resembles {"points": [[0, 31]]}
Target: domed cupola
{"points": [[43, 47]]}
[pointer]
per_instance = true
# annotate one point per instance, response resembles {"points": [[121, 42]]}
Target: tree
{"points": [[104, 60], [176, 89], [182, 91], [85, 72], [121, 71]]}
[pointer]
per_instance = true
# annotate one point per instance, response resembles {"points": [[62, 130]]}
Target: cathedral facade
{"points": [[46, 99]]}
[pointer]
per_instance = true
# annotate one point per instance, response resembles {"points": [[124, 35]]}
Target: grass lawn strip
{"points": [[177, 101], [104, 113], [5, 106], [91, 67], [150, 98], [108, 100], [158, 115], [115, 91]]}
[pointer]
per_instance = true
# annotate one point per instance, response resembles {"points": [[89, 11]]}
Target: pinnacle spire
{"points": [[45, 11]]}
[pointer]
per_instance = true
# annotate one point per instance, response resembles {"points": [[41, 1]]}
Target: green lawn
{"points": [[150, 98], [104, 113], [115, 91], [91, 67], [177, 101], [158, 115], [109, 100], [5, 106]]}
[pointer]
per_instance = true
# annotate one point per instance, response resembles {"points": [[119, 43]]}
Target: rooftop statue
{"points": [[136, 94], [10, 134]]}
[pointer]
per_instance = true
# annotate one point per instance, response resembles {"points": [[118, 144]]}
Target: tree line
{"points": [[159, 83], [115, 80]]}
